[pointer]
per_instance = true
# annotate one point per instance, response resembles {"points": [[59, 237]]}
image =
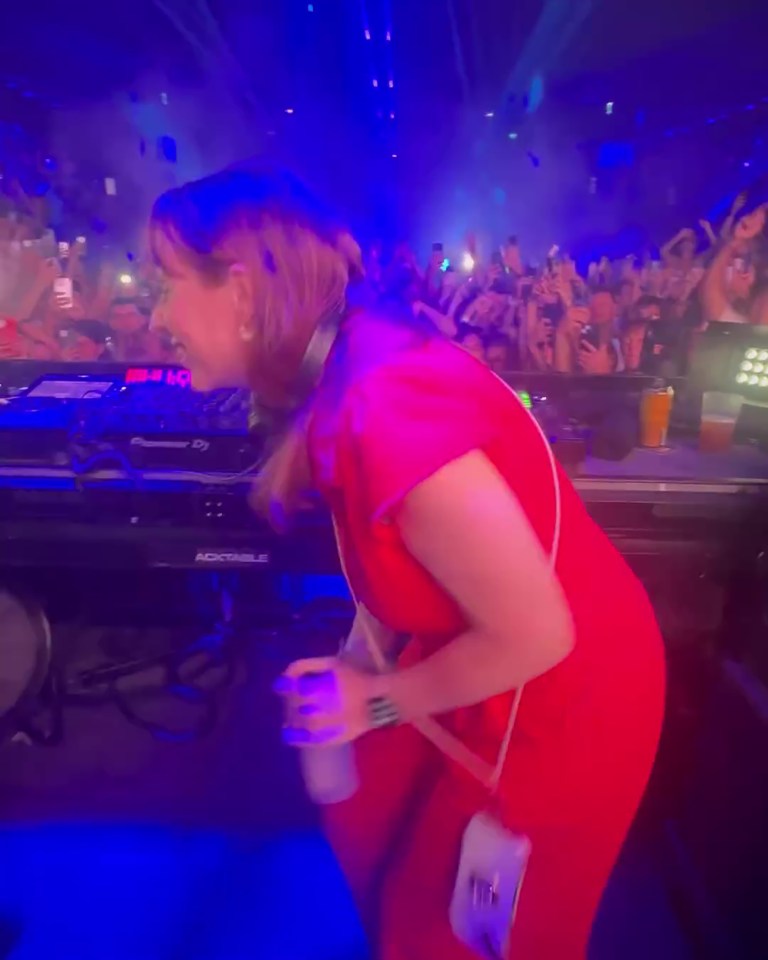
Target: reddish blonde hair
{"points": [[300, 262]]}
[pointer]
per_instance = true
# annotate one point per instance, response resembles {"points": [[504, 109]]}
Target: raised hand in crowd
{"points": [[567, 335], [73, 267], [511, 257], [36, 276], [706, 226], [678, 254], [738, 204], [104, 289], [568, 270], [563, 287], [725, 291], [537, 339], [484, 309], [596, 361], [405, 257], [749, 227], [444, 323]]}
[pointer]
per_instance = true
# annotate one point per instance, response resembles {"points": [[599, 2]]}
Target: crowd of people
{"points": [[638, 314], [66, 295], [58, 306], [69, 290]]}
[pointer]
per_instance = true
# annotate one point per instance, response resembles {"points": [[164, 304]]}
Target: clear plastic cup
{"points": [[719, 413], [655, 412], [330, 772]]}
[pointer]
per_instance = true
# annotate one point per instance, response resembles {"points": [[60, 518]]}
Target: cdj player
{"points": [[157, 426], [38, 425], [141, 419]]}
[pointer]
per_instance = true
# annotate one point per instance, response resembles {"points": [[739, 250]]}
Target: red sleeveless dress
{"points": [[587, 731]]}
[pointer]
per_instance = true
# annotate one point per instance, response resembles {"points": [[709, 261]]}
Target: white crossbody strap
{"points": [[447, 743]]}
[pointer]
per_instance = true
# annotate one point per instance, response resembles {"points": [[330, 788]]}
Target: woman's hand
{"points": [[326, 702]]}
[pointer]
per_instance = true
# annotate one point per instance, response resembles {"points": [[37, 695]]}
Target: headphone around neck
{"points": [[271, 422]]}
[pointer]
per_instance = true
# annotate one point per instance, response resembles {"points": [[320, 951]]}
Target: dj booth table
{"points": [[56, 517]]}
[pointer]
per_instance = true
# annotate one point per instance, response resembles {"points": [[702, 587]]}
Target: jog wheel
{"points": [[25, 656]]}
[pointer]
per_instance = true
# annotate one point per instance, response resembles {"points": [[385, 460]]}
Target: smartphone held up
{"points": [[63, 293], [590, 335]]}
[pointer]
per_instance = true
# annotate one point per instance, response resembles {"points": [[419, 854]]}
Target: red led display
{"points": [[173, 376]]}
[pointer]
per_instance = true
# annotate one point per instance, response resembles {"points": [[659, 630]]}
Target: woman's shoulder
{"points": [[431, 389], [389, 375], [412, 359]]}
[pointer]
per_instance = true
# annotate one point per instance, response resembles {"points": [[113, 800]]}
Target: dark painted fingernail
{"points": [[296, 735], [311, 683]]}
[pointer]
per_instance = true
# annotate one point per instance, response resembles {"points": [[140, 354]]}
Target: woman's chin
{"points": [[200, 381], [204, 380], [206, 376], [199, 377]]}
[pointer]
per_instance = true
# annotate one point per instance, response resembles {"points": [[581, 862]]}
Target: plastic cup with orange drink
{"points": [[655, 413], [719, 414]]}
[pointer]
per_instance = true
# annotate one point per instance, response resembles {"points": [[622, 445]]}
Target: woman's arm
{"points": [[467, 528]]}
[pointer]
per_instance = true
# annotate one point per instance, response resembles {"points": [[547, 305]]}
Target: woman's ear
{"points": [[240, 286], [240, 283]]}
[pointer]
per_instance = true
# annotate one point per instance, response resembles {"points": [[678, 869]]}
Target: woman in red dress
{"points": [[442, 490]]}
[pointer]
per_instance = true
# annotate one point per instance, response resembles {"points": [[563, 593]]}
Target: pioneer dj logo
{"points": [[230, 557], [196, 444]]}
